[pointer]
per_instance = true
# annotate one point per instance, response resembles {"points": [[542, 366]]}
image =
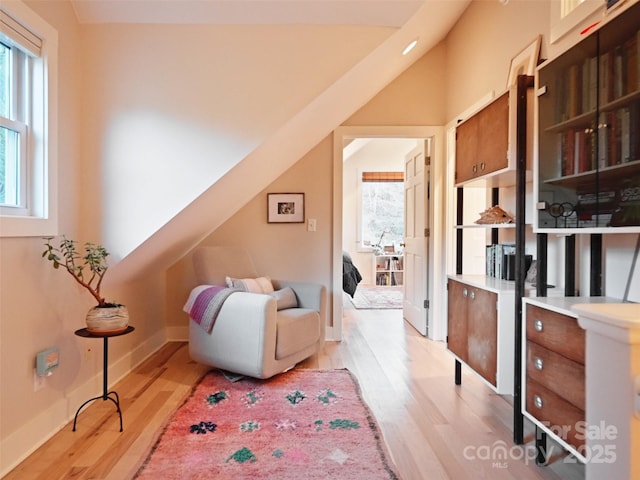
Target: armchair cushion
{"points": [[253, 285], [296, 330], [285, 298]]}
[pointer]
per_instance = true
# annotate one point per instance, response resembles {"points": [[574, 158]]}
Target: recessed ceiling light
{"points": [[409, 47]]}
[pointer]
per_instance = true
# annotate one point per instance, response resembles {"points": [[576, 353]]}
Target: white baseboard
{"points": [[177, 334], [29, 437]]}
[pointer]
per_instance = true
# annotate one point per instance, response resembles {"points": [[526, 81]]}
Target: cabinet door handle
{"points": [[482, 166], [464, 292], [537, 401], [538, 325], [472, 295], [474, 169], [538, 363]]}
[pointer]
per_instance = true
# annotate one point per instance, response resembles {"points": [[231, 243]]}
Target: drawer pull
{"points": [[538, 363], [538, 325], [464, 292], [472, 295], [537, 401]]}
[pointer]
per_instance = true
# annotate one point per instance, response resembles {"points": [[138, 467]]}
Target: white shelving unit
{"points": [[388, 269]]}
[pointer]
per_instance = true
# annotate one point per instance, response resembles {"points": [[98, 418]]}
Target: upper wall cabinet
{"points": [[587, 175], [484, 144]]}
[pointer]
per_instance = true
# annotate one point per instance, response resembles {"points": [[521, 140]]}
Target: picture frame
{"points": [[285, 207], [525, 62], [611, 5]]}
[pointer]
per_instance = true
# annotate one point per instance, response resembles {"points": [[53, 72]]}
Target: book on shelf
{"points": [[567, 152], [589, 84], [575, 91], [585, 155], [577, 151], [598, 80], [495, 258]]}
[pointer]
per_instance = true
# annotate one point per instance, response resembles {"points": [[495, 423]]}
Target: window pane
{"points": [[567, 6], [382, 213], [5, 76], [9, 168]]}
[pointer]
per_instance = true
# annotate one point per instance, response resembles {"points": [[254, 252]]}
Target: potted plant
{"points": [[89, 271]]}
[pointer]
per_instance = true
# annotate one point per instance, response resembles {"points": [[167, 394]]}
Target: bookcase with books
{"points": [[588, 171], [389, 269]]}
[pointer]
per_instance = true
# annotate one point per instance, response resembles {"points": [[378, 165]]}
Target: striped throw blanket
{"points": [[204, 303]]}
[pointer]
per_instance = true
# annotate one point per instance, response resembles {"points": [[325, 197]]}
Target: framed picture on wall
{"points": [[525, 62], [285, 207]]}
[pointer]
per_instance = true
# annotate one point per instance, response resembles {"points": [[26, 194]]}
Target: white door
{"points": [[416, 250]]}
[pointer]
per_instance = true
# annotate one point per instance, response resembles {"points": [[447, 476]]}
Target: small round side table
{"points": [[113, 396]]}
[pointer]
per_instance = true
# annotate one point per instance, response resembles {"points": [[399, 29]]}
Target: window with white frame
{"points": [[567, 14], [28, 100], [381, 209], [13, 130]]}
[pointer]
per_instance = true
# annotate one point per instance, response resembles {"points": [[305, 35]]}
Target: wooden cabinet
{"points": [[553, 369], [482, 333], [388, 269], [466, 150], [482, 141], [588, 114], [457, 319], [480, 327], [485, 142]]}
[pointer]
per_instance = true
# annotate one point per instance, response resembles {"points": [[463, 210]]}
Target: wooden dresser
{"points": [[553, 369]]}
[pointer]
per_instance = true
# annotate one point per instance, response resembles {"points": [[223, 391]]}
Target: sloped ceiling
{"points": [[391, 13], [428, 21]]}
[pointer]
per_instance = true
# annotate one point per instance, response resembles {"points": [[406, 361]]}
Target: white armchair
{"points": [[250, 335]]}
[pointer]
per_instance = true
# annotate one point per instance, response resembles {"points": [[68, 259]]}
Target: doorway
{"points": [[373, 221], [346, 234]]}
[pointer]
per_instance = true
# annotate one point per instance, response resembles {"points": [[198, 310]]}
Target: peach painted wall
{"points": [[289, 251]]}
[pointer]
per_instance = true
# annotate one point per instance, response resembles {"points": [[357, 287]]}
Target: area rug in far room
{"points": [[369, 297], [302, 424]]}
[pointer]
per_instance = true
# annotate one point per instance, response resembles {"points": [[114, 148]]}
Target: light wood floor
{"points": [[434, 429]]}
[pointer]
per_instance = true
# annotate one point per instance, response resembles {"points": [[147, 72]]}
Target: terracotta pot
{"points": [[104, 320]]}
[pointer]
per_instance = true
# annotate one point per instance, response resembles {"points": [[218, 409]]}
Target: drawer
{"points": [[557, 332], [557, 373], [563, 418]]}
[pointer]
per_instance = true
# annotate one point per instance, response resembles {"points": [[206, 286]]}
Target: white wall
{"points": [[170, 109]]}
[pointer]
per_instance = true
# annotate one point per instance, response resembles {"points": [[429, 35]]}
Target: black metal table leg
{"points": [[106, 395], [541, 447], [458, 373]]}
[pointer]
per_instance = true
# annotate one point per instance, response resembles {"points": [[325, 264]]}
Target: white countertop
{"points": [[621, 315]]}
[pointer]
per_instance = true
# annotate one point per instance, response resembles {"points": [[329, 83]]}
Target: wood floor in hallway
{"points": [[434, 429]]}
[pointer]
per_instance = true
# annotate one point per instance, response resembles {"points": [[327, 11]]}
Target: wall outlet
{"points": [[38, 381], [47, 361]]}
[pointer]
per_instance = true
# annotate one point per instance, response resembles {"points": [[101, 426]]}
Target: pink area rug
{"points": [[374, 297], [302, 424]]}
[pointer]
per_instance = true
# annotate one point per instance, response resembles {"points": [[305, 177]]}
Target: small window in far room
{"points": [[28, 135], [382, 209]]}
